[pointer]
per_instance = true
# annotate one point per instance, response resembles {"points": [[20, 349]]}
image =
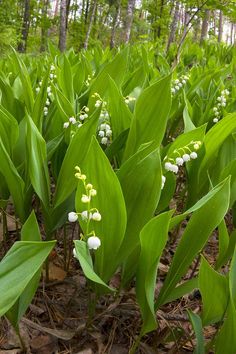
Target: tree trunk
{"points": [[161, 12], [25, 27], [129, 20], [205, 24], [67, 11], [220, 31], [62, 30], [173, 26], [115, 24], [90, 24], [232, 34], [44, 29]]}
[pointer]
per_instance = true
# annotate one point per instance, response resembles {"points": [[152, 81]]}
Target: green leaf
{"points": [[140, 179], [37, 162], [84, 257], [75, 155], [197, 326], [213, 140], [14, 181], [153, 238], [223, 244], [111, 205], [203, 221], [185, 288], [150, 116], [18, 267], [29, 232], [214, 290]]}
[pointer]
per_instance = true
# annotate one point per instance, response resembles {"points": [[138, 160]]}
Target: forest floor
{"points": [[58, 319]]}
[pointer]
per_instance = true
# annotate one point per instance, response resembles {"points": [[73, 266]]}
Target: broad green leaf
{"points": [[18, 267], [153, 238], [111, 205], [150, 116], [65, 80], [75, 155], [185, 288], [29, 232], [213, 140], [197, 326], [223, 243], [214, 290], [140, 179], [85, 259], [119, 112], [37, 162], [14, 181], [26, 83], [203, 221]]}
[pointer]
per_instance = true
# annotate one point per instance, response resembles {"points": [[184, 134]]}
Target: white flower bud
{"points": [[179, 161], [127, 101], [104, 141], [98, 103], [168, 166], [85, 199], [72, 120], [101, 133], [52, 67], [109, 133], [74, 253], [186, 157], [66, 125], [223, 104], [196, 146], [93, 242], [215, 120], [183, 82], [172, 90], [180, 85], [72, 216], [215, 109], [193, 155], [85, 215], [48, 89], [93, 192], [176, 81], [47, 102], [37, 89], [176, 88], [174, 168], [86, 109], [51, 76], [80, 125], [45, 109], [97, 216], [103, 126]]}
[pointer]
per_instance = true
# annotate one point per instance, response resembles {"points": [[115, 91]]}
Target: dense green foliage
{"points": [[113, 138]]}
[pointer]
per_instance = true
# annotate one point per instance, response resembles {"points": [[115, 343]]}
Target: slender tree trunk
{"points": [[62, 30], [173, 26], [44, 29], [25, 27], [67, 11], [197, 29], [220, 31], [232, 34], [115, 24], [161, 12], [94, 5], [56, 8], [129, 20], [86, 12], [205, 24], [186, 20]]}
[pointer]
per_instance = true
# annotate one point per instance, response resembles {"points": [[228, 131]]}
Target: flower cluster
{"points": [[180, 156], [89, 213], [71, 120], [87, 81], [104, 131], [221, 103], [52, 77], [83, 115], [179, 83], [129, 99]]}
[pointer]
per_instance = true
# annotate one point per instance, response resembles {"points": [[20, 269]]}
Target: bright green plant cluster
{"points": [[54, 116]]}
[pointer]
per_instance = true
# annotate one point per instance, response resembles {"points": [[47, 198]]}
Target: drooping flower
{"points": [[93, 242], [72, 217]]}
